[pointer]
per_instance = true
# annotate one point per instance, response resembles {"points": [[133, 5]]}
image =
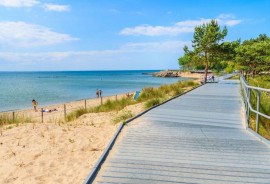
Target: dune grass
{"points": [[75, 114], [7, 119], [109, 105], [152, 102], [151, 96], [113, 105], [123, 116], [264, 124]]}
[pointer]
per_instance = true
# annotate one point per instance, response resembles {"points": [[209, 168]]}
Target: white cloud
{"points": [[192, 23], [56, 7], [155, 30], [18, 3], [21, 34], [129, 48], [179, 27], [171, 46], [50, 57], [226, 16]]}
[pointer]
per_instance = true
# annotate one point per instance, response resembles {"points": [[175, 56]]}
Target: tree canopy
{"points": [[206, 45], [253, 56], [210, 52]]}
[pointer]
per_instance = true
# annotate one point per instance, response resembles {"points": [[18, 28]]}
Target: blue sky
{"points": [[58, 35]]}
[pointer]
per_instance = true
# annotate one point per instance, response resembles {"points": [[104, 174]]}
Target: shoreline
{"points": [[177, 74], [70, 105], [20, 88], [57, 103]]}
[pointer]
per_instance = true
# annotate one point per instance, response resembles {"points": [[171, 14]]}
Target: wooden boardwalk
{"points": [[198, 138]]}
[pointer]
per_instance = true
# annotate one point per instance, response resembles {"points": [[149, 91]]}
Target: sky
{"points": [[74, 35]]}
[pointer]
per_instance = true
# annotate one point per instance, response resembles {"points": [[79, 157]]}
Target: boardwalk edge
{"points": [[91, 176]]}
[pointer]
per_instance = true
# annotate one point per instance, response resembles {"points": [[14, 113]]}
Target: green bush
{"points": [[152, 102]]}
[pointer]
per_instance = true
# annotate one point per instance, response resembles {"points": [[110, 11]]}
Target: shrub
{"points": [[152, 102], [74, 115], [122, 117]]}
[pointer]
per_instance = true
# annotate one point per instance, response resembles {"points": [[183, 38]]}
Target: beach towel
{"points": [[136, 95]]}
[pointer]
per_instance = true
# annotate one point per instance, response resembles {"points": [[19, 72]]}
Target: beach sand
{"points": [[195, 76], [56, 152]]}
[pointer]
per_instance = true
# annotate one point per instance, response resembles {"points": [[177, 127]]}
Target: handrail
{"points": [[246, 90]]}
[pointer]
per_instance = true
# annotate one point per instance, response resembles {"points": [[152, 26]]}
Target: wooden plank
{"points": [[196, 138]]}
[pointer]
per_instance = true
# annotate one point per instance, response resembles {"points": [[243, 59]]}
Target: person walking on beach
{"points": [[97, 93], [213, 78], [34, 103], [100, 93]]}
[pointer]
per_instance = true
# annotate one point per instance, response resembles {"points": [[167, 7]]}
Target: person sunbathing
{"points": [[49, 110]]}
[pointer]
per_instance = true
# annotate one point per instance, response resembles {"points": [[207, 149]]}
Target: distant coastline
{"points": [[174, 74]]}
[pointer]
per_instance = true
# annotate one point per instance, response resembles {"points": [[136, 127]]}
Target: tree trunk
{"points": [[206, 67]]}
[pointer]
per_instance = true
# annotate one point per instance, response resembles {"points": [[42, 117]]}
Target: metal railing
{"points": [[247, 89]]}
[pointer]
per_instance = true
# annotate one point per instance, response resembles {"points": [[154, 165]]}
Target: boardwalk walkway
{"points": [[198, 138]]}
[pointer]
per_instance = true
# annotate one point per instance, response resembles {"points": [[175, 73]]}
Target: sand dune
{"points": [[56, 152]]}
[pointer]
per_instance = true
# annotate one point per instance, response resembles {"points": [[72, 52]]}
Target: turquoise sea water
{"points": [[17, 89]]}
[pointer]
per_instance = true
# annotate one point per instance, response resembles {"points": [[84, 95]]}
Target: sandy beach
{"points": [[55, 152], [195, 76]]}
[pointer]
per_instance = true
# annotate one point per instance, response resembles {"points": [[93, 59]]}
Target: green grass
{"points": [[152, 102], [123, 116], [109, 105], [152, 96], [7, 119], [235, 77], [113, 105], [264, 124], [75, 114]]}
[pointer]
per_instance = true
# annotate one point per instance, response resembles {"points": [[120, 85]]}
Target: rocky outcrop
{"points": [[167, 73]]}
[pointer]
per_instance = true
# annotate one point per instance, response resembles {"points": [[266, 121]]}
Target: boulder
{"points": [[167, 73]]}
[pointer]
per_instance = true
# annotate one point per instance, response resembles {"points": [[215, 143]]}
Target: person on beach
{"points": [[97, 93], [34, 103], [128, 95], [49, 110], [100, 92]]}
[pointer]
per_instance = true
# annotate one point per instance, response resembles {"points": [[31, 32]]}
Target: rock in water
{"points": [[167, 73]]}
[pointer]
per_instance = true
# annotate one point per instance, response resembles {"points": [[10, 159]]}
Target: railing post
{"points": [[116, 97], [85, 104], [65, 112], [13, 117], [258, 109], [41, 115], [248, 102], [101, 101]]}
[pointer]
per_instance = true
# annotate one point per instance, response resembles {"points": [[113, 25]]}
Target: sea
{"points": [[17, 89]]}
